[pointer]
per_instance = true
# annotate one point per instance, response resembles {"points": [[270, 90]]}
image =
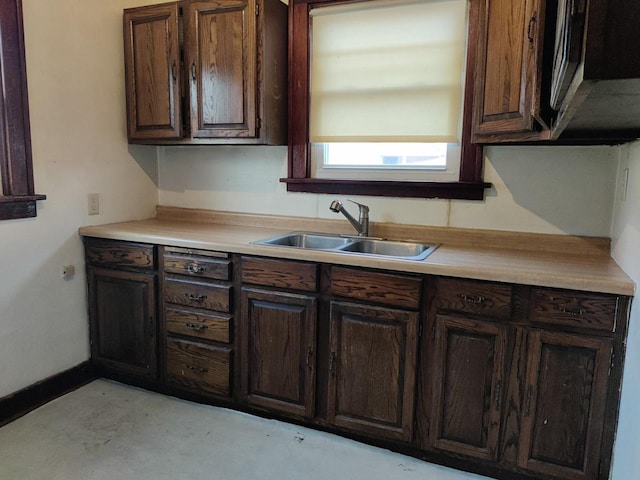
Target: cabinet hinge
{"points": [[259, 123]]}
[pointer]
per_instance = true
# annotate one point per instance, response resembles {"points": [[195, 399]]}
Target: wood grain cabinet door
{"points": [[564, 405], [372, 370], [280, 350], [468, 359], [509, 69], [152, 72], [122, 314], [220, 48]]}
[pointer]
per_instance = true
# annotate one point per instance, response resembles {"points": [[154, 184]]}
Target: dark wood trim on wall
{"points": [[23, 401]]}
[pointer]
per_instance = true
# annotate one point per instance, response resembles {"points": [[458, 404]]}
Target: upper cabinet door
{"points": [[509, 69], [152, 66], [220, 46]]}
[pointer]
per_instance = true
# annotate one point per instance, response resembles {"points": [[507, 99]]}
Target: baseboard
{"points": [[23, 401]]}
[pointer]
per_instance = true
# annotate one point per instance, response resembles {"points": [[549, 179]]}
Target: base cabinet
{"points": [[509, 381], [122, 307], [280, 350], [564, 404], [372, 370]]}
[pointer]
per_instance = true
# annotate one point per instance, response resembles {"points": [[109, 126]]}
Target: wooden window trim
{"points": [[17, 197], [470, 185]]}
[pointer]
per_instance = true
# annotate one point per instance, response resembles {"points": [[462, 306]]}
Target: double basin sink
{"points": [[351, 245]]}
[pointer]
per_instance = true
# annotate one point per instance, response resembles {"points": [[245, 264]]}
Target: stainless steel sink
{"points": [[314, 241], [351, 245], [386, 248]]}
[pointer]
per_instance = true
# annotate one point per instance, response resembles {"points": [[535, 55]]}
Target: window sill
{"points": [[23, 206], [448, 190]]}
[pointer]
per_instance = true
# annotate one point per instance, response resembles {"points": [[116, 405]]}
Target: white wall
{"points": [[76, 95], [564, 190], [626, 251]]}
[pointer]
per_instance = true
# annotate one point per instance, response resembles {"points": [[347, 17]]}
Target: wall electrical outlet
{"points": [[93, 204]]}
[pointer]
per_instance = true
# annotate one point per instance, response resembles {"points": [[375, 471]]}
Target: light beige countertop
{"points": [[560, 261]]}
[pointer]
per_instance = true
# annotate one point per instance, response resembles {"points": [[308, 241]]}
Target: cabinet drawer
{"points": [[384, 288], [197, 266], [574, 309], [206, 295], [216, 327], [478, 298], [108, 253], [280, 273], [199, 367]]}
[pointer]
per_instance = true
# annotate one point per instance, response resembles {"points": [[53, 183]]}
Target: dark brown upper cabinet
{"points": [[17, 193], [509, 80], [207, 72]]}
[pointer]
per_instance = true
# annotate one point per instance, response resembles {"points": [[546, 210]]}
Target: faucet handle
{"points": [[364, 209]]}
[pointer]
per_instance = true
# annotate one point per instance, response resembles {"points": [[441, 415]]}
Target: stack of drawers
{"points": [[198, 320]]}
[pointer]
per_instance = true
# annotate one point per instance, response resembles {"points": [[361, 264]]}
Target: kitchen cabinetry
{"points": [[520, 379], [373, 351], [280, 335], [198, 321], [207, 72], [122, 307], [508, 101]]}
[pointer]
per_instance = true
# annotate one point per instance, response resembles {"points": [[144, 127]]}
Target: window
{"points": [[17, 197], [344, 77]]}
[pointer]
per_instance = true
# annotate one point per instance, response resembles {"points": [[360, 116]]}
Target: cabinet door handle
{"points": [[475, 299], [532, 23], [198, 327], [498, 396], [151, 327], [195, 268], [195, 298], [193, 71], [173, 71], [308, 359], [332, 364], [527, 403]]}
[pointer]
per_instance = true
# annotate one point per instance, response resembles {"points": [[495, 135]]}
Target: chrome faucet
{"points": [[362, 224]]}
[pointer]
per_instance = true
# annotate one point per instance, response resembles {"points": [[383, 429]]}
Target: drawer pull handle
{"points": [[193, 368], [119, 255], [196, 298], [195, 268], [475, 299], [572, 313], [198, 327]]}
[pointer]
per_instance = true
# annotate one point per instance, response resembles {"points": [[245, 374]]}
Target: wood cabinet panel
{"points": [[280, 273], [477, 298], [122, 321], [281, 350], [386, 288], [221, 58], [199, 367], [152, 67], [196, 323], [574, 309], [197, 266], [469, 363], [509, 70], [116, 254], [564, 404], [372, 370], [198, 294]]}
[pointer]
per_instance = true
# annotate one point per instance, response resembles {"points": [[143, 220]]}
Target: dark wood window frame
{"points": [[17, 197], [470, 185]]}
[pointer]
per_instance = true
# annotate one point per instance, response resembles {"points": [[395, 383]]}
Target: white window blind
{"points": [[388, 71]]}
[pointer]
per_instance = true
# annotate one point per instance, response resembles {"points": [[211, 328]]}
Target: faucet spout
{"points": [[362, 224]]}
